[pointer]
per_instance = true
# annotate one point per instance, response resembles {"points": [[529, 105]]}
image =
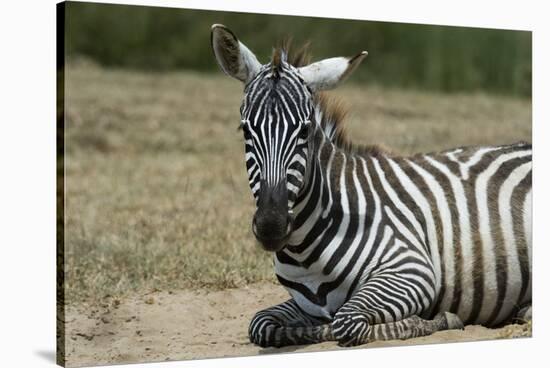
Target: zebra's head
{"points": [[277, 119]]}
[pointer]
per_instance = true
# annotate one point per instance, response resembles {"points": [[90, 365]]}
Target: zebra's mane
{"points": [[296, 57], [330, 112]]}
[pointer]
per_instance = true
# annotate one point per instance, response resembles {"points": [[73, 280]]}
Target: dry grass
{"points": [[157, 194]]}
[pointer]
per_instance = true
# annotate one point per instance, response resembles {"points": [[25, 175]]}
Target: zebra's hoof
{"points": [[453, 321]]}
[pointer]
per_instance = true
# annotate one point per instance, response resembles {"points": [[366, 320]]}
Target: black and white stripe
{"points": [[381, 246], [275, 120]]}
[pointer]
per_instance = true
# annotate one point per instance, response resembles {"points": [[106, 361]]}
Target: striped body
{"points": [[372, 245], [462, 218]]}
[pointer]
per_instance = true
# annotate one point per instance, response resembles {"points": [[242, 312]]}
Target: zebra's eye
{"points": [[304, 132]]}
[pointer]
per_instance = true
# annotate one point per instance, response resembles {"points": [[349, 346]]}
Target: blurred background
{"points": [[438, 58], [156, 190]]}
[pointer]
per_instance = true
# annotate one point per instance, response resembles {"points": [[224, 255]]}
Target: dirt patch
{"points": [[159, 326]]}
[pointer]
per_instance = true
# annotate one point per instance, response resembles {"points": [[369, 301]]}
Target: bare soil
{"points": [[161, 325]]}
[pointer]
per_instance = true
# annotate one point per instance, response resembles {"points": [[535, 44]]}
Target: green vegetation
{"points": [[155, 181], [448, 59]]}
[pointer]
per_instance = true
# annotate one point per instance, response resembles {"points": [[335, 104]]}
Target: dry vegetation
{"points": [[156, 191]]}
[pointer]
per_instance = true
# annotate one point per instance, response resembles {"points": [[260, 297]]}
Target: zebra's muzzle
{"points": [[270, 232], [272, 222]]}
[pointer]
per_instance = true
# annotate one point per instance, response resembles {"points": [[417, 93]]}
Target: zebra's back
{"points": [[479, 231]]}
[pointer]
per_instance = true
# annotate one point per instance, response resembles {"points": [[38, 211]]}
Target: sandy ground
{"points": [[160, 325]]}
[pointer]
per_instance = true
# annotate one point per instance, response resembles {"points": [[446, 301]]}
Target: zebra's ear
{"points": [[328, 73], [233, 57]]}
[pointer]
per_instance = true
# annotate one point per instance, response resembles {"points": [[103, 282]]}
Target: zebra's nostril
{"points": [[271, 228]]}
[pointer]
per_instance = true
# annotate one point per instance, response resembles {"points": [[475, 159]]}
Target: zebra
{"points": [[371, 245]]}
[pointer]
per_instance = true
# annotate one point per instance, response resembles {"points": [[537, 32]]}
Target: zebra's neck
{"points": [[324, 198], [334, 206]]}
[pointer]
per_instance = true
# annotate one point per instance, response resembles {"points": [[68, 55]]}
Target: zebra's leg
{"points": [[286, 324], [415, 326], [354, 328], [364, 318]]}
